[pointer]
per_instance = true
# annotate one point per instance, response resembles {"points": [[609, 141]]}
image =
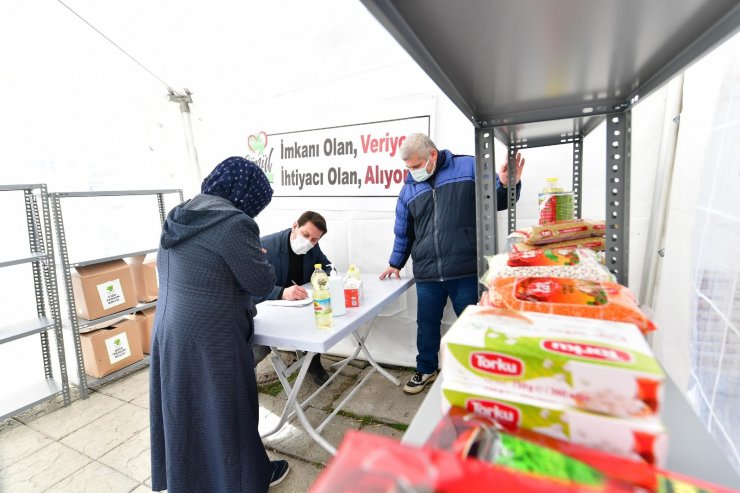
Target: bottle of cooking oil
{"points": [[556, 205], [321, 298]]}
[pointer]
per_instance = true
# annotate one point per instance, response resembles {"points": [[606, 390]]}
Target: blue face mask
{"points": [[421, 174]]}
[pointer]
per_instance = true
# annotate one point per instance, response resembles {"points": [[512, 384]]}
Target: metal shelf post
{"points": [[45, 289], [485, 197], [618, 157]]}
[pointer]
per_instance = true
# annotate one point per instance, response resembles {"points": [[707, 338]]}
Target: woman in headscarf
{"points": [[203, 392]]}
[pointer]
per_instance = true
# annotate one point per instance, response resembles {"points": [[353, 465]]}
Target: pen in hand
{"points": [[299, 291]]}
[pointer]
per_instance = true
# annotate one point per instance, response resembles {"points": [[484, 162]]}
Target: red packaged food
{"points": [[367, 463], [601, 300]]}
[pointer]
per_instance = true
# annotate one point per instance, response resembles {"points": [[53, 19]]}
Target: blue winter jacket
{"points": [[435, 220]]}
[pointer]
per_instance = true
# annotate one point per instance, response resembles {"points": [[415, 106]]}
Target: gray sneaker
{"points": [[419, 381]]}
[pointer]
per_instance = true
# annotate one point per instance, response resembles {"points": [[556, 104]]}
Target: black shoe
{"points": [[280, 469], [317, 372], [419, 381]]}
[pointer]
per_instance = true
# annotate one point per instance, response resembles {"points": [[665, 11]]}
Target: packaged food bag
{"points": [[600, 300], [636, 439], [467, 435], [600, 366], [597, 244], [580, 263], [368, 463], [470, 435]]}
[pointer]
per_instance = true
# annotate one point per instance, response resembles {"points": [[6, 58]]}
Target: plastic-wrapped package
{"points": [[580, 263], [545, 234], [367, 463], [471, 435], [594, 243], [601, 300], [596, 365]]}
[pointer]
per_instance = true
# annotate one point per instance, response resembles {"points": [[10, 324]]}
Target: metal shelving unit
{"points": [[532, 73], [75, 325], [47, 319]]}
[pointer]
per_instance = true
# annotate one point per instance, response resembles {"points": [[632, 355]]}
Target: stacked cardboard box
{"points": [[145, 319], [103, 289], [111, 346], [145, 278]]}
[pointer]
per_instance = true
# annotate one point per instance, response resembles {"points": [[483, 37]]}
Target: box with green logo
{"points": [[638, 439], [115, 345], [596, 365], [103, 289]]}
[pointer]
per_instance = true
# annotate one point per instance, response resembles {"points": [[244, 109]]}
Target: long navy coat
{"points": [[204, 408]]}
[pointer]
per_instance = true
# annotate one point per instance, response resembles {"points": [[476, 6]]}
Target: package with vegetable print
{"points": [[581, 263], [600, 300], [600, 366]]}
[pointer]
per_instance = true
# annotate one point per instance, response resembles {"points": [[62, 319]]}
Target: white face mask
{"points": [[421, 174], [300, 245]]}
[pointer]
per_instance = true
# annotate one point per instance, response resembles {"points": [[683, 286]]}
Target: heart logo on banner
{"points": [[257, 142]]}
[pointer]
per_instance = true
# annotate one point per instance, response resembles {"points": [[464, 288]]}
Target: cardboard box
{"points": [[637, 439], [112, 347], [103, 289], [145, 319], [146, 279], [597, 365]]}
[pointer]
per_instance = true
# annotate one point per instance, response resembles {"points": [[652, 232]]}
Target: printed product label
{"points": [[111, 294], [554, 290], [322, 306], [587, 351], [508, 417], [117, 347], [542, 258], [497, 364]]}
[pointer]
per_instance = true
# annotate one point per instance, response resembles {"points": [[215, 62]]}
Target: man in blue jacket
{"points": [[293, 252], [436, 226]]}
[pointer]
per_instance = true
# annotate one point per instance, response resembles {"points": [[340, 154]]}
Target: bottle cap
{"points": [[317, 266]]}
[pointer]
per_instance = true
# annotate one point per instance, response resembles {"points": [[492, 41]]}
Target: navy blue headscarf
{"points": [[241, 182]]}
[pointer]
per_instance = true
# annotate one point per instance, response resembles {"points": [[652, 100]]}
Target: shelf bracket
{"points": [[618, 157]]}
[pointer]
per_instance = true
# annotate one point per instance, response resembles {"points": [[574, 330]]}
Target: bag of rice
{"points": [[580, 263]]}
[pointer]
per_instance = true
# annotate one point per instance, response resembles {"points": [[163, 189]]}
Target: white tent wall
{"points": [[79, 114], [697, 299]]}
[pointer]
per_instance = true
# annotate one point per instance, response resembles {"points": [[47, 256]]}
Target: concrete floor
{"points": [[102, 443]]}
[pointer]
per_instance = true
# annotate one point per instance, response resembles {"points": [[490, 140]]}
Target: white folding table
{"points": [[294, 327]]}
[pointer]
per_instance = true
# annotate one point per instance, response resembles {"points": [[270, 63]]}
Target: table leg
{"points": [[361, 346], [283, 373], [277, 363]]}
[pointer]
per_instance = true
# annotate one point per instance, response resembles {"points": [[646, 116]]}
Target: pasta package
{"points": [[597, 244], [635, 439], [580, 263], [600, 300], [606, 367], [556, 232]]}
